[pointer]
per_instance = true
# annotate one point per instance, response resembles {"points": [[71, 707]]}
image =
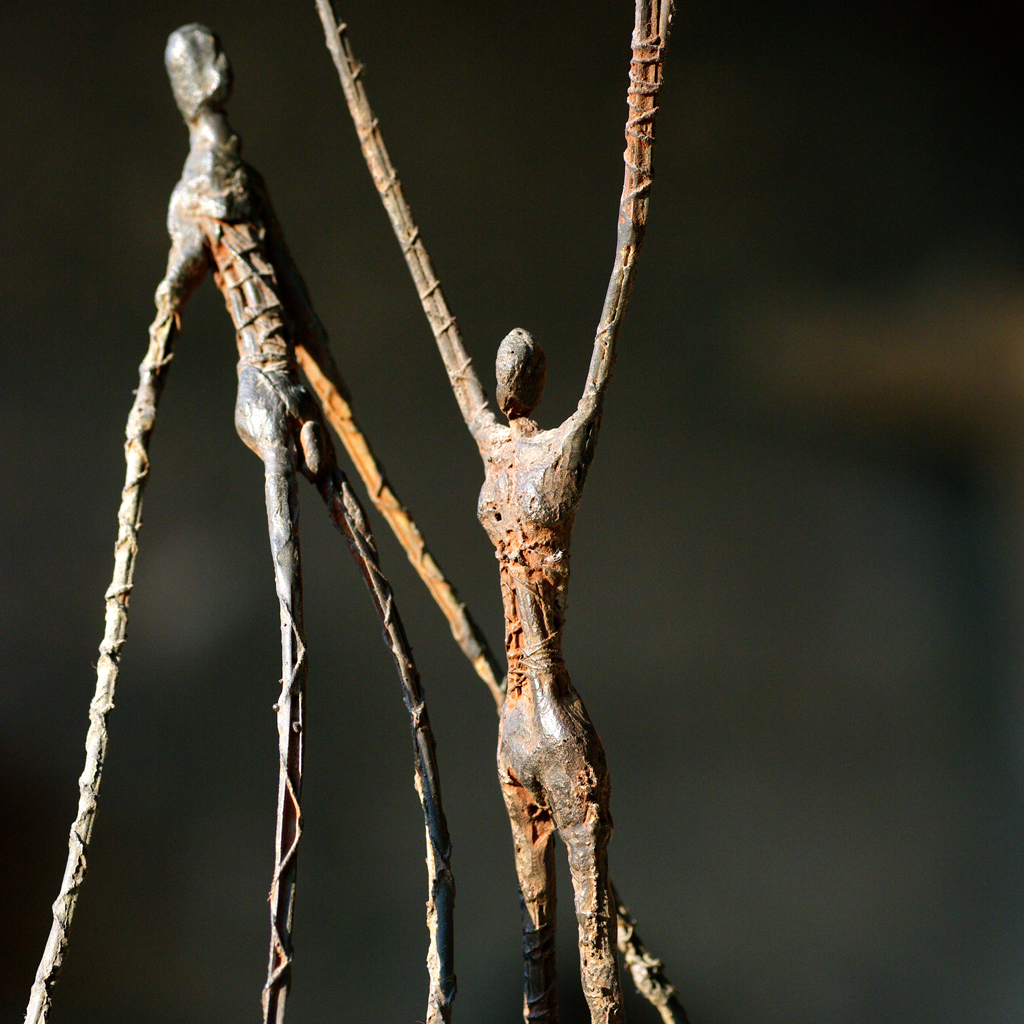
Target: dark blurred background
{"points": [[799, 567]]}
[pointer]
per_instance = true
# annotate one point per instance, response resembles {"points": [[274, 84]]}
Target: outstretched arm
{"points": [[469, 392], [650, 35], [186, 268]]}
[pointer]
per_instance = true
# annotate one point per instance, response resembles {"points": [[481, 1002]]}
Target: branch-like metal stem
{"points": [[348, 516], [469, 392], [338, 412], [141, 421], [648, 971]]}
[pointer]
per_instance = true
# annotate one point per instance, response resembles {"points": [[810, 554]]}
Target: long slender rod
{"points": [[348, 516], [645, 77], [141, 421]]}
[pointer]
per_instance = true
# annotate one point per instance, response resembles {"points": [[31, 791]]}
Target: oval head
{"points": [[199, 70], [521, 369]]}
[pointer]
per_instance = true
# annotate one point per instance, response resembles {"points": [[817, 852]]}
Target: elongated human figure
{"points": [[220, 218], [551, 763]]}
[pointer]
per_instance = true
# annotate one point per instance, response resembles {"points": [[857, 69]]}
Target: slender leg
{"points": [[533, 833], [587, 843], [282, 518], [347, 514]]}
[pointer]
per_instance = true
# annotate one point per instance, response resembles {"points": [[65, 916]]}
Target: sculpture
{"points": [[220, 219], [554, 774], [551, 763]]}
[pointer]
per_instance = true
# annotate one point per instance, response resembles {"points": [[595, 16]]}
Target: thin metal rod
{"points": [[647, 971], [141, 421], [348, 516]]}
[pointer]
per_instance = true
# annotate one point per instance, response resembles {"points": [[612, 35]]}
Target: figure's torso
{"points": [[224, 199], [527, 506]]}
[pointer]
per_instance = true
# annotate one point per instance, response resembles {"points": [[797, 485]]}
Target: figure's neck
{"points": [[523, 426], [209, 129]]}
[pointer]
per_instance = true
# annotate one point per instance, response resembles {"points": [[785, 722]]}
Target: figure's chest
{"points": [[524, 492], [496, 507]]}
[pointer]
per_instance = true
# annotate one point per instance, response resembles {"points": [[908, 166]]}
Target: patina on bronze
{"points": [[220, 218]]}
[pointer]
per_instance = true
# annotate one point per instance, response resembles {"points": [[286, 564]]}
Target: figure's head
{"points": [[521, 370], [199, 70]]}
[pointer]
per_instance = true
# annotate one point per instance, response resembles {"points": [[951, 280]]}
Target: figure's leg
{"points": [[282, 518], [587, 843], [533, 834], [347, 514]]}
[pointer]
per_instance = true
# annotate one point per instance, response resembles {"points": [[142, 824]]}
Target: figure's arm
{"points": [[187, 265], [650, 34], [308, 332], [469, 392], [186, 268]]}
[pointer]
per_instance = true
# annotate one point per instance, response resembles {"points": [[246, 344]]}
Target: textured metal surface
{"points": [[220, 217]]}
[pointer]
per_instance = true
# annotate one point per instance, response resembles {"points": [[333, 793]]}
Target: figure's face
{"points": [[199, 70], [521, 369]]}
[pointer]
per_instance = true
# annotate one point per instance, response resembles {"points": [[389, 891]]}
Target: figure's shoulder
{"points": [[573, 436], [494, 441], [215, 183]]}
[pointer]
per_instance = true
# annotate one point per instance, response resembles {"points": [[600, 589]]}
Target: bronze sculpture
{"points": [[551, 763], [220, 218]]}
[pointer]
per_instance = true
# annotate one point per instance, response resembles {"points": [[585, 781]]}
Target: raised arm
{"points": [[469, 392], [650, 35]]}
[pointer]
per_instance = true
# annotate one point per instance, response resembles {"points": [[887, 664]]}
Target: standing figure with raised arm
{"points": [[551, 764], [220, 218]]}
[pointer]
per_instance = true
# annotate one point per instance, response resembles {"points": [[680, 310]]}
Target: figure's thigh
{"points": [[533, 833]]}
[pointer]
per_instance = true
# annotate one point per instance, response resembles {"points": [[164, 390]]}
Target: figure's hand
{"points": [[278, 419], [315, 445]]}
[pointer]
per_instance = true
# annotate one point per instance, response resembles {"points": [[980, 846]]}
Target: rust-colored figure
{"points": [[550, 759], [220, 218], [551, 763]]}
